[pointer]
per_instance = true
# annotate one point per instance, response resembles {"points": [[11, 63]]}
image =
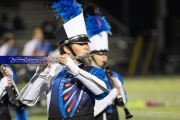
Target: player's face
{"points": [[100, 59], [80, 48], [11, 42]]}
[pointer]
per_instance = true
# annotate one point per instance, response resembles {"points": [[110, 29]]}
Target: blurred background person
{"points": [[8, 47], [36, 47]]}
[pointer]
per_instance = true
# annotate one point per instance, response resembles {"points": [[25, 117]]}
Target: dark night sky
{"points": [[141, 13], [112, 6], [143, 16]]}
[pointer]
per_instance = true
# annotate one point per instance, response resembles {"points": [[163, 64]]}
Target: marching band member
{"points": [[70, 87], [98, 29], [8, 48]]}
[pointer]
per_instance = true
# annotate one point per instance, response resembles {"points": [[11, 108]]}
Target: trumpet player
{"points": [[98, 30], [69, 86]]}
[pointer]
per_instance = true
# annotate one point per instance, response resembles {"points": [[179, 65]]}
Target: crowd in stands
{"points": [[38, 45]]}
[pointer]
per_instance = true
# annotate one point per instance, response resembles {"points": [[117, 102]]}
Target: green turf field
{"points": [[163, 91]]}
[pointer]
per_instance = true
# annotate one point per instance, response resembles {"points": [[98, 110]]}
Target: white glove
{"points": [[72, 67]]}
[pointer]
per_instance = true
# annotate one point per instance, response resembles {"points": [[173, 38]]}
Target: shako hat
{"points": [[73, 30], [97, 29]]}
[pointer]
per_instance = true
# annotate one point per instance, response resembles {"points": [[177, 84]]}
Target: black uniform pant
{"points": [[4, 112]]}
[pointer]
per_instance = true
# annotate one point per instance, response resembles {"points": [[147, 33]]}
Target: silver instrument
{"points": [[55, 60], [2, 68]]}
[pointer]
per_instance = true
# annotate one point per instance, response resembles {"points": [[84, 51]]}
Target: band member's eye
{"points": [[102, 54], [81, 44]]}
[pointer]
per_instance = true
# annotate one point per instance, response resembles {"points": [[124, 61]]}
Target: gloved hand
{"points": [[72, 67]]}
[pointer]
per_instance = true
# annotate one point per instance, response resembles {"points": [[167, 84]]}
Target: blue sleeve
{"points": [[99, 73], [114, 74]]}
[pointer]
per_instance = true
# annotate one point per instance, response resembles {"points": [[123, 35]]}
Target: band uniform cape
{"points": [[98, 30], [68, 95]]}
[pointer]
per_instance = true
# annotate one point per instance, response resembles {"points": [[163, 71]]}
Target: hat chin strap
{"points": [[95, 61], [72, 51]]}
